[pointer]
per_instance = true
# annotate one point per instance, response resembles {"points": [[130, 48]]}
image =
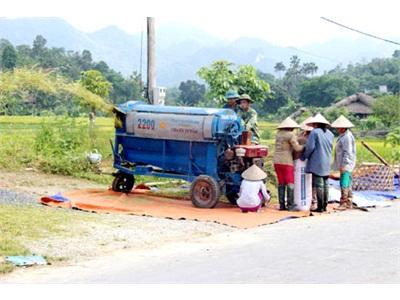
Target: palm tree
{"points": [[279, 67]]}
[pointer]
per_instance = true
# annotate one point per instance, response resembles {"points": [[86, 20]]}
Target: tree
{"points": [[324, 90], [396, 54], [95, 82], [292, 78], [222, 76], [173, 95], [136, 84], [86, 60], [296, 74], [309, 68], [387, 108], [8, 57], [38, 47], [191, 93], [279, 67]]}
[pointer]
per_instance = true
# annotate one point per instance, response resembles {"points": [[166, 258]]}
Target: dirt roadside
{"points": [[99, 234]]}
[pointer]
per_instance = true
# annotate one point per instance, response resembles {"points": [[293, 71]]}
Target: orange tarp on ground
{"points": [[141, 203]]}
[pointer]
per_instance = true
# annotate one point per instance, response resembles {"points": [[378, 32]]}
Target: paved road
{"points": [[348, 247]]}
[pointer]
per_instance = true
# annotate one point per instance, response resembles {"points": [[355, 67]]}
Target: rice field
{"points": [[19, 134]]}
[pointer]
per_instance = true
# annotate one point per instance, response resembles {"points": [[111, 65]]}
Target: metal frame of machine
{"points": [[198, 145]]}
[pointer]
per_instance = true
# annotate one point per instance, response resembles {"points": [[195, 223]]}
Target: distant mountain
{"points": [[353, 50], [182, 50], [58, 32]]}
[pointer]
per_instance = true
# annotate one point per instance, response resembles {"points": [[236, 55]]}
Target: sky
{"points": [[281, 22]]}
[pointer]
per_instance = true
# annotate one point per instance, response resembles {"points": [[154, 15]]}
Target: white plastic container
{"points": [[302, 186]]}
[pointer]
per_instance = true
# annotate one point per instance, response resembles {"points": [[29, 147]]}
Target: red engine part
{"points": [[254, 150]]}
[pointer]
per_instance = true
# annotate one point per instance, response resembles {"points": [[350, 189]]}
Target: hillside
{"points": [[182, 50]]}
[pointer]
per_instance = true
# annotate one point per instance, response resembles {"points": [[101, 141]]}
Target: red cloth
{"points": [[285, 174], [250, 209]]}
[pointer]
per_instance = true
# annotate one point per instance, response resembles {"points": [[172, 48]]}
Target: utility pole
{"points": [[151, 60]]}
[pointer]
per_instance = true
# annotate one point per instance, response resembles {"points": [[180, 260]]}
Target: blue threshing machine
{"points": [[199, 145]]}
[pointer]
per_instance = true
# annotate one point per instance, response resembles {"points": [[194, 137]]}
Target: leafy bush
{"points": [[370, 123], [287, 110], [266, 134], [334, 113], [387, 109], [393, 139], [60, 146]]}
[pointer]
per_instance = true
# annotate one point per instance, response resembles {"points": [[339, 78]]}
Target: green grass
{"points": [[19, 138], [63, 152], [19, 224]]}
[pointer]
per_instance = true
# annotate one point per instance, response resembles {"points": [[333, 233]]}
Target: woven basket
{"points": [[377, 177]]}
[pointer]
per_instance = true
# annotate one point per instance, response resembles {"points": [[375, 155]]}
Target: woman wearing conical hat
{"points": [[318, 151], [345, 160], [286, 144], [251, 188]]}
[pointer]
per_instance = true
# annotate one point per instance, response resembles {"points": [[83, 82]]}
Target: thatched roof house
{"points": [[358, 104]]}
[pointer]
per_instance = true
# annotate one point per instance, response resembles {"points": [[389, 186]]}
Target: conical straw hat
{"points": [[288, 123], [254, 173], [318, 118], [304, 125], [342, 122]]}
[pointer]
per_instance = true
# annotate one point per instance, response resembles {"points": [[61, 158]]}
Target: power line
{"points": [[353, 29]]}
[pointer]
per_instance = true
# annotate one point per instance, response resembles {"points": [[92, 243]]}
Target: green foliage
{"points": [[324, 90], [266, 135], [222, 76], [248, 82], [334, 113], [396, 54], [370, 123], [36, 90], [55, 144], [277, 98], [387, 109], [173, 95], [95, 82], [293, 77], [287, 110], [70, 65], [191, 93], [60, 149], [220, 79], [309, 68], [280, 67], [8, 58], [393, 139]]}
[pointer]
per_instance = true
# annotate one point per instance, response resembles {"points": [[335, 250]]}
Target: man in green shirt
{"points": [[249, 117], [231, 97]]}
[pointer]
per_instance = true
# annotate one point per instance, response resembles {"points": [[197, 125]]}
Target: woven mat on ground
{"points": [[141, 203]]}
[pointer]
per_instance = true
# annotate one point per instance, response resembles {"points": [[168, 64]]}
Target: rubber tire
{"points": [[123, 182], [207, 185]]}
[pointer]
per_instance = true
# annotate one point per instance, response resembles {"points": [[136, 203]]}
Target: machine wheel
{"points": [[231, 194], [205, 192], [123, 182]]}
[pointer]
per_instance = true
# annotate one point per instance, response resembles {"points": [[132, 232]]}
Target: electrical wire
{"points": [[361, 32]]}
